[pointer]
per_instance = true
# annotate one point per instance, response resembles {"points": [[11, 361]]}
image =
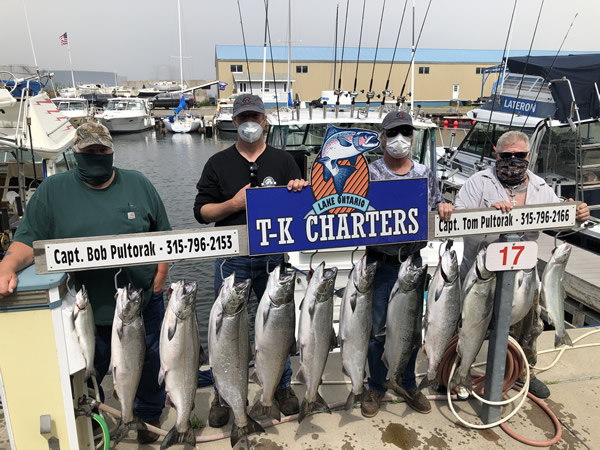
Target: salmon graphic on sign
{"points": [[340, 174]]}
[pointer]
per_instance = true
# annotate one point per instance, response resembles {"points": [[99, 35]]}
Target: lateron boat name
{"points": [[335, 227]]}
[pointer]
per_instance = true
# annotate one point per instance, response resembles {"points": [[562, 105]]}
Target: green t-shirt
{"points": [[64, 207]]}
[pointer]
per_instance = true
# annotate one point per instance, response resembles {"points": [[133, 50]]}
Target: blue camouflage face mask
{"points": [[94, 169]]}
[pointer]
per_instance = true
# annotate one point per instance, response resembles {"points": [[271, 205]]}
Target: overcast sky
{"points": [[138, 38]]}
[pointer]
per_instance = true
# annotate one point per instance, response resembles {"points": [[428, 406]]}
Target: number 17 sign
{"points": [[511, 256]]}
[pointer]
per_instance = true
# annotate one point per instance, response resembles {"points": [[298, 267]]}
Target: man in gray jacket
{"points": [[509, 183]]}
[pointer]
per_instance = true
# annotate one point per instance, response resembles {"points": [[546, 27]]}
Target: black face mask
{"points": [[94, 169], [511, 171]]}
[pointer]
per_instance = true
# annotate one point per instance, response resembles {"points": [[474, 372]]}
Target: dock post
{"points": [[498, 343]]}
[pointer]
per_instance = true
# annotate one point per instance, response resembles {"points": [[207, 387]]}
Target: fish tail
{"points": [[308, 408], [562, 339], [238, 432], [174, 437], [465, 381], [124, 428], [350, 401], [259, 410], [428, 382], [89, 373]]}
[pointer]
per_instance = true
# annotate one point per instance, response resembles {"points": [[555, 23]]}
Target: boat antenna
{"points": [[526, 63], [387, 83], [370, 93], [413, 54], [487, 130], [264, 52], [29, 31], [272, 64], [245, 49], [337, 103], [354, 93], [550, 70], [337, 13]]}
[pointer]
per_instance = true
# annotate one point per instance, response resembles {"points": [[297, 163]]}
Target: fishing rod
{"points": [[370, 93], [386, 92], [245, 49], [399, 98], [526, 63], [353, 94], [550, 70], [273, 65], [339, 89], [264, 68], [487, 130], [337, 12]]}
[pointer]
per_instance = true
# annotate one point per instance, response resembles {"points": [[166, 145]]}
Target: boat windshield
{"points": [[134, 106], [482, 138], [527, 84]]}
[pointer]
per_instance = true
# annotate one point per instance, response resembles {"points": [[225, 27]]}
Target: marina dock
{"points": [[396, 426]]}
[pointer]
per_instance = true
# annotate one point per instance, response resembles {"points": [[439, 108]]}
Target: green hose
{"points": [[104, 427]]}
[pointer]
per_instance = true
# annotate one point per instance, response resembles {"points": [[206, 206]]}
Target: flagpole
{"points": [[71, 63]]}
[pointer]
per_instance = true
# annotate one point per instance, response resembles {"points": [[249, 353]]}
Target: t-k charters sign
{"points": [[341, 208]]}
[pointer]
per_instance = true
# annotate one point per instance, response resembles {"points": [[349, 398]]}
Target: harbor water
{"points": [[173, 162]]}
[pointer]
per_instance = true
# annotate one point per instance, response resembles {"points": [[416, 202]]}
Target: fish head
{"points": [[182, 298], [365, 140], [326, 284], [233, 296], [411, 276], [129, 303], [363, 274], [280, 288], [561, 254], [82, 299], [449, 266]]}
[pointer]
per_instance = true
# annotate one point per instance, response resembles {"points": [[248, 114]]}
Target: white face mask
{"points": [[250, 132], [398, 146]]}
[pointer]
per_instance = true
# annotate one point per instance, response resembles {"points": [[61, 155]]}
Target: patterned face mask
{"points": [[511, 171]]}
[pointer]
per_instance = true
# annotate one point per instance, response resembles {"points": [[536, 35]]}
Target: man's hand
{"points": [[238, 201], [503, 206], [8, 280], [297, 185], [445, 211], [582, 213], [162, 270]]}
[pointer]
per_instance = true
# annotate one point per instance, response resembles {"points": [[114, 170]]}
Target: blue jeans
{"points": [[150, 397], [256, 268], [385, 278]]}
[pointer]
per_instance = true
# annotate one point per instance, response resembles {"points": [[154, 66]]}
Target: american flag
{"points": [[63, 39]]}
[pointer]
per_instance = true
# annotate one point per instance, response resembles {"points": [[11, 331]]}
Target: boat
{"points": [[125, 91], [182, 123], [557, 104], [76, 109], [223, 117], [126, 115]]}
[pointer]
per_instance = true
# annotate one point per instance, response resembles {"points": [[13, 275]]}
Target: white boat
{"points": [[182, 123], [223, 117], [126, 115], [124, 91], [76, 109], [31, 121], [559, 114], [86, 89]]}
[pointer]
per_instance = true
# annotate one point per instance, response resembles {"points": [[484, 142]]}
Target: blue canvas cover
{"points": [[582, 70]]}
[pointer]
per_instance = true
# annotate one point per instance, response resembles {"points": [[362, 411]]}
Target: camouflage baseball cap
{"points": [[92, 133]]}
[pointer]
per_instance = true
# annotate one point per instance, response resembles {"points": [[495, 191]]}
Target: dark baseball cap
{"points": [[248, 102], [91, 133], [396, 119]]}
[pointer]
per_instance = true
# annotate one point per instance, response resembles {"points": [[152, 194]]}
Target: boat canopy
{"points": [[583, 71], [33, 85]]}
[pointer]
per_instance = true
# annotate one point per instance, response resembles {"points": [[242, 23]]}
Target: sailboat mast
{"points": [[412, 63], [289, 44], [265, 50], [180, 50], [29, 31]]}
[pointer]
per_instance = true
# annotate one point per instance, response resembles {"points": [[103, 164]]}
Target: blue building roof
{"points": [[326, 54]]}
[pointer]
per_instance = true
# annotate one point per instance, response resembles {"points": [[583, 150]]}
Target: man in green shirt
{"points": [[97, 199]]}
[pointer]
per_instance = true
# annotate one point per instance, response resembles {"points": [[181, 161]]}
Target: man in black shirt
{"points": [[221, 199]]}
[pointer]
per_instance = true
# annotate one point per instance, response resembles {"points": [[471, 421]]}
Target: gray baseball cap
{"points": [[396, 119], [248, 102]]}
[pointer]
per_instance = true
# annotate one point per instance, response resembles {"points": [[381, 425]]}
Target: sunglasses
{"points": [[253, 174], [405, 131], [510, 155]]}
